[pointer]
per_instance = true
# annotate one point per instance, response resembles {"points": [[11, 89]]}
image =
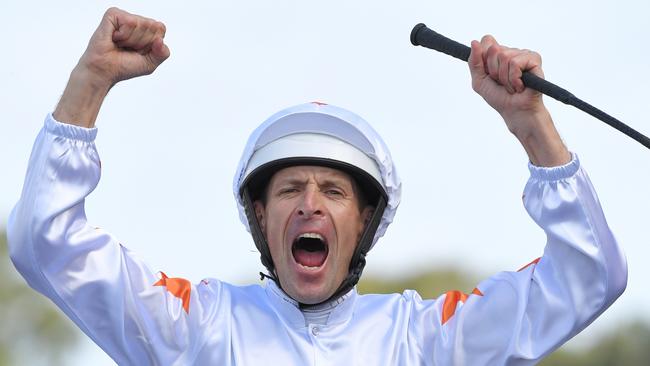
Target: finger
{"points": [[514, 74], [154, 30], [524, 61], [159, 31], [123, 23], [505, 56], [492, 61], [487, 41], [138, 37], [144, 43], [475, 61], [159, 51]]}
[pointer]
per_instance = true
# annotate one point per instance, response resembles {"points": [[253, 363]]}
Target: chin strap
{"points": [[258, 238], [262, 275], [357, 262]]}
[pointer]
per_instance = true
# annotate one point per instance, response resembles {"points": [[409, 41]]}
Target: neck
{"points": [[319, 313], [316, 313]]}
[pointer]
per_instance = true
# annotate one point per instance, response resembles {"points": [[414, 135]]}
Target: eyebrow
{"points": [[327, 182]]}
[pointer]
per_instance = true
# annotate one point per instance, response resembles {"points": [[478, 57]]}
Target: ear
{"points": [[366, 214], [259, 213]]}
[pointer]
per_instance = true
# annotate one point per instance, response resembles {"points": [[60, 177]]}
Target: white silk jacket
{"points": [[142, 318]]}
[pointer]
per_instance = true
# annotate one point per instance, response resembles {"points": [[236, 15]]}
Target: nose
{"points": [[311, 203]]}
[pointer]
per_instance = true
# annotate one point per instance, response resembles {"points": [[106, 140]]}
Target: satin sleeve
{"points": [[134, 315], [517, 318]]}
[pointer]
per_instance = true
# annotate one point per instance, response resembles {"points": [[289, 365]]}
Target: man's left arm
{"points": [[516, 318]]}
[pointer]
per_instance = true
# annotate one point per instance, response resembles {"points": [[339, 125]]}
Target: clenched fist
{"points": [[124, 46], [496, 76]]}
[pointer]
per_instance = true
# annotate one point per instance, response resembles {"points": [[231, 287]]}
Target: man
{"points": [[316, 186]]}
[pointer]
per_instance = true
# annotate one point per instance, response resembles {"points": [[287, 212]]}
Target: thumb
{"points": [[113, 24]]}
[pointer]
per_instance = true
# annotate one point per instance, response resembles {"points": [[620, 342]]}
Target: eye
{"points": [[333, 192], [288, 190]]}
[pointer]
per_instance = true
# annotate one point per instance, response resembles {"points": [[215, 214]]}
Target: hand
{"points": [[496, 76], [123, 46]]}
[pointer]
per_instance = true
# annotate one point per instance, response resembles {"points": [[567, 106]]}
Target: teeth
{"points": [[311, 236], [308, 267]]}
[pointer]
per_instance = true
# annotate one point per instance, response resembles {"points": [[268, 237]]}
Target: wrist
{"points": [[525, 122], [91, 78], [537, 134], [82, 98]]}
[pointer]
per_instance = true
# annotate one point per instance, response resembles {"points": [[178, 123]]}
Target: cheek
{"points": [[349, 229], [276, 219]]}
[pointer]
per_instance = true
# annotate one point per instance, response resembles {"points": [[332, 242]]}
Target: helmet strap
{"points": [[258, 238]]}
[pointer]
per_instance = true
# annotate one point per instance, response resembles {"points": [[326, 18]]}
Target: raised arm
{"points": [[137, 317], [124, 46], [517, 318]]}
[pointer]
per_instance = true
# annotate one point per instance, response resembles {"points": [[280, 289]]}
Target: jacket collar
{"points": [[340, 310]]}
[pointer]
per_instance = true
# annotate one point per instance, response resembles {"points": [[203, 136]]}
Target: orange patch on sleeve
{"points": [[529, 264], [451, 302], [179, 287]]}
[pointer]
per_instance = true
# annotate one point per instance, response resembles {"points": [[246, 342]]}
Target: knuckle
{"points": [[148, 23], [161, 27], [504, 57], [514, 63], [493, 50], [532, 54], [475, 85], [488, 38], [112, 10], [129, 22]]}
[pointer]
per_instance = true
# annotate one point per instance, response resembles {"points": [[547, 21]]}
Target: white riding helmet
{"points": [[319, 134]]}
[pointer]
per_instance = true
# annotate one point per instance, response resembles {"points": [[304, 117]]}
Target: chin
{"points": [[309, 296]]}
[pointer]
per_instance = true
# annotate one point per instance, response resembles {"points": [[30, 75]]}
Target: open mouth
{"points": [[310, 250]]}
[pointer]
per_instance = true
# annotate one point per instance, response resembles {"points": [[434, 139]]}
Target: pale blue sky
{"points": [[170, 142]]}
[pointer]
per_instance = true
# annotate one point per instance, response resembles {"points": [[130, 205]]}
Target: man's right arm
{"points": [[136, 317]]}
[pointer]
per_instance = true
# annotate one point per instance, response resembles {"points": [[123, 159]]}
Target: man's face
{"points": [[312, 223]]}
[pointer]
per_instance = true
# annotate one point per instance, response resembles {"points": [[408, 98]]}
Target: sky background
{"points": [[170, 142]]}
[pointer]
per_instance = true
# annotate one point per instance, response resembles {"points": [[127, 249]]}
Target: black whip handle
{"points": [[425, 37]]}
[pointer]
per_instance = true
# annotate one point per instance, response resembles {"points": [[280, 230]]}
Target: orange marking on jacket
{"points": [[529, 264], [179, 287], [451, 302]]}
